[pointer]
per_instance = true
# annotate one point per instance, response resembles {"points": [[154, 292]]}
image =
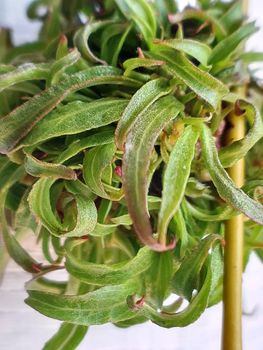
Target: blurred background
{"points": [[21, 328]]}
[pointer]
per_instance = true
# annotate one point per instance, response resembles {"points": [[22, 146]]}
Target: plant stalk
{"points": [[234, 238]]}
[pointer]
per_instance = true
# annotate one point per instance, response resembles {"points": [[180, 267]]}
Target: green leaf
{"points": [[40, 205], [190, 314], [175, 177], [251, 57], [38, 168], [60, 66], [141, 13], [219, 214], [107, 304], [136, 161], [25, 72], [14, 248], [138, 62], [203, 16], [193, 48], [202, 83], [32, 111], [230, 154], [96, 162], [75, 118], [233, 17], [226, 47], [97, 139], [101, 275], [186, 279], [223, 183], [68, 337], [140, 101], [81, 40], [159, 276]]}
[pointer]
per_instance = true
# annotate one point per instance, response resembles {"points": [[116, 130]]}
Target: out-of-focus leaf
{"points": [[251, 57], [141, 13], [136, 160], [193, 48], [24, 72], [81, 40], [226, 47], [68, 337], [200, 15]]}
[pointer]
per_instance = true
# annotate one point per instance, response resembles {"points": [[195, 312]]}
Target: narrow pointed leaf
{"points": [[230, 154], [176, 176], [75, 118], [25, 72], [100, 274], [68, 337], [97, 139], [141, 100], [193, 48], [202, 83], [107, 304], [40, 205], [38, 168], [32, 111], [141, 13], [81, 40], [223, 183], [136, 160], [226, 47]]}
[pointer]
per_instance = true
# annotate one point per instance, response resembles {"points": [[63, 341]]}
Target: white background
{"points": [[21, 328]]}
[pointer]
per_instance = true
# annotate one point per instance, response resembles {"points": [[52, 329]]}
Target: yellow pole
{"points": [[234, 238]]}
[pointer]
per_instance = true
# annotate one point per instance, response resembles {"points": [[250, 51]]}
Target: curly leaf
{"points": [[183, 318], [175, 177], [136, 160], [32, 111], [100, 274], [230, 154], [97, 139], [194, 48], [141, 13], [134, 63], [97, 161], [223, 183], [186, 278], [107, 304], [38, 168], [25, 72], [202, 83], [141, 100], [40, 205], [81, 40]]}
